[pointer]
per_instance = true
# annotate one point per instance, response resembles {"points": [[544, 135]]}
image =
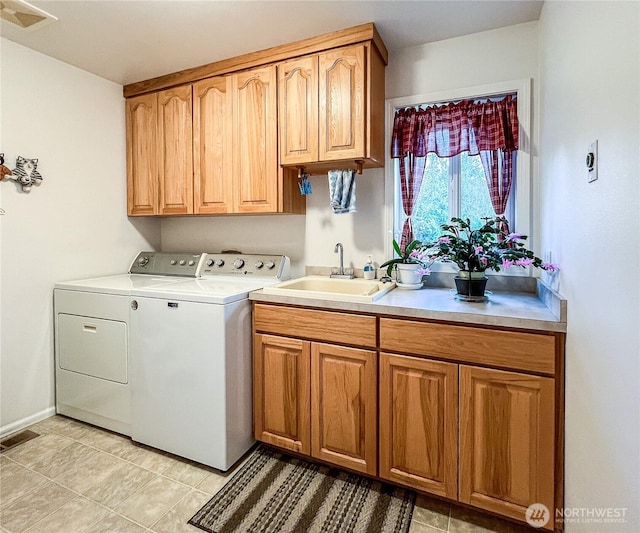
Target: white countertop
{"points": [[506, 309]]}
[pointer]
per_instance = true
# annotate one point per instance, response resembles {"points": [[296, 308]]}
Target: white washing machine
{"points": [[191, 354], [92, 335]]}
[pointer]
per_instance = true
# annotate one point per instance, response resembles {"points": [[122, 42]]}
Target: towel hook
{"points": [[359, 163], [300, 172]]}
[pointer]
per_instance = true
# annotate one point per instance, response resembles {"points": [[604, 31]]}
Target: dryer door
{"points": [[93, 347]]}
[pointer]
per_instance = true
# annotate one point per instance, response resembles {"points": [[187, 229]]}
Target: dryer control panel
{"points": [[168, 264]]}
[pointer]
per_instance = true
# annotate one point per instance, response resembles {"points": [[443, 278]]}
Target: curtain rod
{"points": [[476, 100]]}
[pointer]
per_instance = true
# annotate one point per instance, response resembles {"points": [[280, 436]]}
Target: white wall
{"points": [[590, 60], [310, 240], [73, 225]]}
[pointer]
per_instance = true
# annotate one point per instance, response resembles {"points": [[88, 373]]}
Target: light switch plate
{"points": [[592, 162]]}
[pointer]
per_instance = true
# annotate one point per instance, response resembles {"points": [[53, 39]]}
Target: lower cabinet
{"points": [[440, 423], [344, 419], [317, 399], [281, 392], [506, 440], [419, 423]]}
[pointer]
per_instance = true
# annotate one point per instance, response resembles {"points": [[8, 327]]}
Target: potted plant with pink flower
{"points": [[410, 264], [475, 251]]}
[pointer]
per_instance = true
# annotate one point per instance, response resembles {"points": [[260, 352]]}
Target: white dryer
{"points": [[92, 356]]}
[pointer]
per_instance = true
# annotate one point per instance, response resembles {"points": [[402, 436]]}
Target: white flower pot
{"points": [[409, 274]]}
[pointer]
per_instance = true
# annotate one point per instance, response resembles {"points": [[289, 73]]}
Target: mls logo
{"points": [[537, 515]]}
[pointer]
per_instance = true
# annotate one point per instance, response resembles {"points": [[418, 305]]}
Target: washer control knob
{"points": [[219, 262], [182, 262], [143, 261], [173, 262], [191, 263], [259, 264], [210, 262], [238, 263], [270, 265]]}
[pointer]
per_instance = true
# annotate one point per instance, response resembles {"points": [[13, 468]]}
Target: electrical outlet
{"points": [[592, 162]]}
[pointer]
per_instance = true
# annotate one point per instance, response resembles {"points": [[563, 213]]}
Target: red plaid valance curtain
{"points": [[487, 128]]}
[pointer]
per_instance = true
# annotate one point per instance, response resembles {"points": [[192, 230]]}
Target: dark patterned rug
{"points": [[276, 493]]}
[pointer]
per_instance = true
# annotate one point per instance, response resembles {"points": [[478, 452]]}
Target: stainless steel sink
{"points": [[320, 287]]}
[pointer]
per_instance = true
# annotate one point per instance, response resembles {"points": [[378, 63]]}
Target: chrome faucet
{"points": [[339, 249]]}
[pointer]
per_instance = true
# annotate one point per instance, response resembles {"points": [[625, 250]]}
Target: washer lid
{"points": [[214, 290]]}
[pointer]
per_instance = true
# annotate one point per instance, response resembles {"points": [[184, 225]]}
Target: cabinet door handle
{"points": [[89, 328]]}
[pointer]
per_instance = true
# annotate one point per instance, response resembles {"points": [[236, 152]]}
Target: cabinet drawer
{"points": [[505, 349], [326, 326]]}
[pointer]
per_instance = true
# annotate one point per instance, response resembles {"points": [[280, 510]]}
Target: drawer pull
{"points": [[90, 328]]}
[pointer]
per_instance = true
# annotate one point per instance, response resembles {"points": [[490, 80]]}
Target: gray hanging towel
{"points": [[342, 191]]}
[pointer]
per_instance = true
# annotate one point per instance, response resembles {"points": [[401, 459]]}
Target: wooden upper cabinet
{"points": [[342, 96], [343, 406], [281, 390], [506, 441], [212, 146], [255, 158], [419, 423], [142, 154], [298, 110], [176, 161]]}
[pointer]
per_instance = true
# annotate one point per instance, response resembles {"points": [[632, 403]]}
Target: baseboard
{"points": [[25, 422]]}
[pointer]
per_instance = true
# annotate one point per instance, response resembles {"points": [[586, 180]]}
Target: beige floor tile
{"points": [[419, 527], [432, 512], [74, 516], [34, 506], [120, 484], [53, 423], [76, 430], [143, 456], [468, 521], [175, 521], [213, 483], [16, 481], [186, 472], [89, 471], [152, 501], [63, 460], [115, 523], [104, 440], [39, 451]]}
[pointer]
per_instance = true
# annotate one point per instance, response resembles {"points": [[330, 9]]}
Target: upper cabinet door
{"points": [[212, 135], [176, 162], [142, 154], [255, 159], [298, 110], [342, 96], [506, 441]]}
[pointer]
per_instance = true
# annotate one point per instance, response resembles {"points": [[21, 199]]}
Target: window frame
{"points": [[523, 193]]}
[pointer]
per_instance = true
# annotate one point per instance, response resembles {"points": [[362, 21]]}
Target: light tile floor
{"points": [[75, 478]]}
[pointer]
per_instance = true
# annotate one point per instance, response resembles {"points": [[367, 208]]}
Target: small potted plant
{"points": [[475, 251], [410, 265]]}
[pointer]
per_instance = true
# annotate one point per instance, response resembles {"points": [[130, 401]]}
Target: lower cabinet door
{"points": [[343, 406], [419, 423], [506, 441], [281, 392]]}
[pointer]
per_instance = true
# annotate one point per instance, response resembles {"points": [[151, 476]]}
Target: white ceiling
{"points": [[133, 40]]}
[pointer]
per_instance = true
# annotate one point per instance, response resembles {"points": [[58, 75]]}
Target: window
{"points": [[455, 185]]}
